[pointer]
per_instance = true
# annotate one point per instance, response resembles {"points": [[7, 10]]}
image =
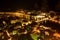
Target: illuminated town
{"points": [[26, 25], [30, 20]]}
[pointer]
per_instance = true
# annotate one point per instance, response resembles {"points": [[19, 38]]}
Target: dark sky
{"points": [[12, 5]]}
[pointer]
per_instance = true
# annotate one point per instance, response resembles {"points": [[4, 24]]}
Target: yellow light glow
{"points": [[56, 34], [40, 16]]}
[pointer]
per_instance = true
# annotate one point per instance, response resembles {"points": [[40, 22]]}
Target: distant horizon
{"points": [[10, 5]]}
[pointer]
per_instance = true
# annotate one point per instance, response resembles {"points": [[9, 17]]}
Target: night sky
{"points": [[13, 5]]}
